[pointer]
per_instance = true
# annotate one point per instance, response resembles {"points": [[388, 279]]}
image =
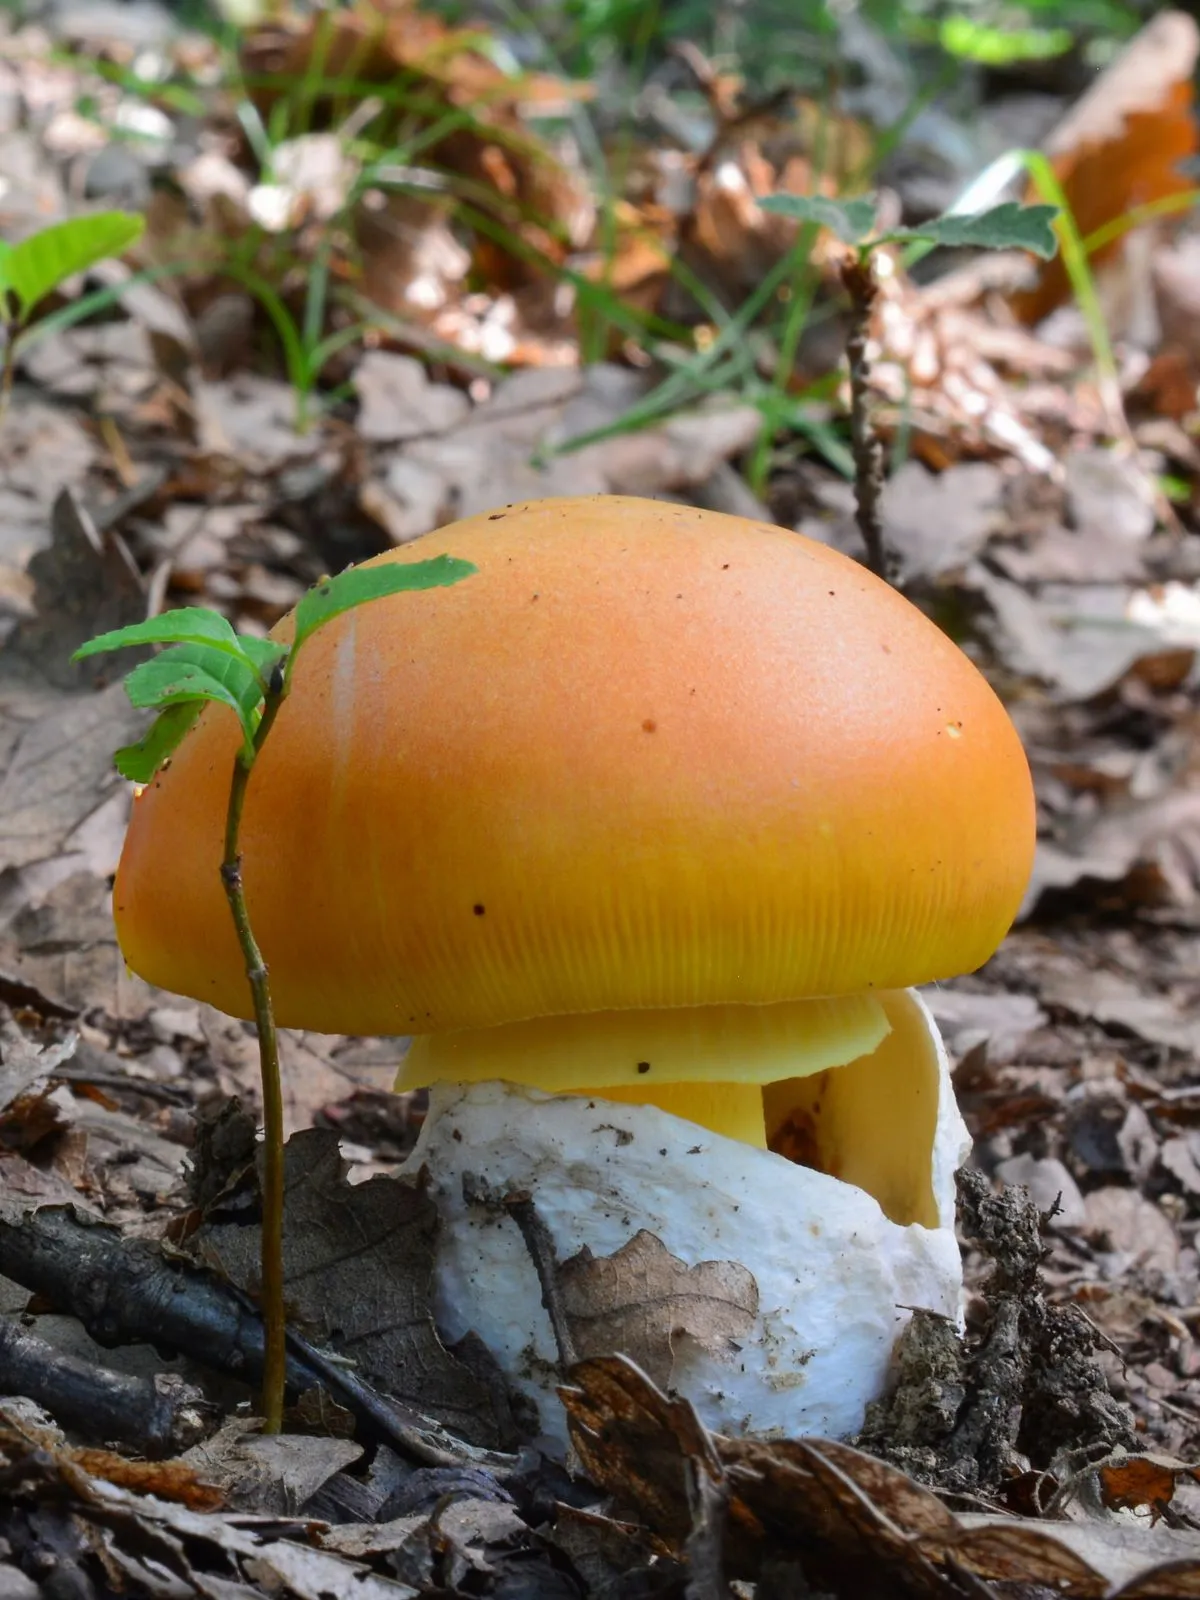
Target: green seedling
{"points": [[34, 268], [205, 662], [1004, 227]]}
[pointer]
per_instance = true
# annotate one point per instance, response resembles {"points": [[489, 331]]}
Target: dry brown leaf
{"points": [[1122, 144], [854, 1520], [397, 401], [358, 1265], [23, 1063], [1136, 1481], [642, 1300], [166, 1480], [276, 1474]]}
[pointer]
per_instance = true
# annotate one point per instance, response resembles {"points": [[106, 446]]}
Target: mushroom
{"points": [[645, 834]]}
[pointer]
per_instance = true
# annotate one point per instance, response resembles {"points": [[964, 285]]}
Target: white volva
{"points": [[835, 1277]]}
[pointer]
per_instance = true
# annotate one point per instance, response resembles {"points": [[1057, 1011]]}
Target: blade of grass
{"points": [[689, 382], [1167, 205], [98, 300], [1083, 285]]}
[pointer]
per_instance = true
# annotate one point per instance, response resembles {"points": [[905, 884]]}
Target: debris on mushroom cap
{"points": [[645, 756], [768, 1293]]}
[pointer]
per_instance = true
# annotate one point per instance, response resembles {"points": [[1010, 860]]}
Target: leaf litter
{"points": [[162, 456]]}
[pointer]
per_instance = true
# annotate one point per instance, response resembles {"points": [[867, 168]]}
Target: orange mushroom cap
{"points": [[646, 756]]}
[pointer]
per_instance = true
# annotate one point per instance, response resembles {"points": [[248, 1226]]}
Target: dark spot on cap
{"points": [[643, 1066], [649, 726], [478, 910], [496, 516]]}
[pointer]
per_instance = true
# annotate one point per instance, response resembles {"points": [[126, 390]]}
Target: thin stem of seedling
{"points": [[858, 276], [8, 369], [273, 1307]]}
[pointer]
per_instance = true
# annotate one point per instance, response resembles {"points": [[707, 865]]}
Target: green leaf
{"points": [[188, 625], [189, 673], [139, 762], [1001, 47], [851, 220], [35, 266], [263, 654], [359, 584], [184, 665], [1006, 227]]}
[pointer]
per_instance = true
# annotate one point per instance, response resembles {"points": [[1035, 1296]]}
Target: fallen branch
{"points": [[156, 1417], [125, 1291]]}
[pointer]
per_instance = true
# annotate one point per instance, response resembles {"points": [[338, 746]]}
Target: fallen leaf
{"points": [[641, 1300], [397, 401], [85, 583], [1109, 495], [23, 1063], [270, 1474], [1132, 1229], [1122, 145], [358, 1266], [1051, 1187], [1112, 997], [1146, 1480], [855, 1522], [166, 1480], [1078, 640]]}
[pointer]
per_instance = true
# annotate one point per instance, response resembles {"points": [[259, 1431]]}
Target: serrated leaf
{"points": [[139, 762], [359, 584], [187, 673], [851, 220], [180, 664], [188, 625], [1005, 227], [36, 265]]}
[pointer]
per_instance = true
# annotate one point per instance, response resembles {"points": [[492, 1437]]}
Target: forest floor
{"points": [[1042, 507]]}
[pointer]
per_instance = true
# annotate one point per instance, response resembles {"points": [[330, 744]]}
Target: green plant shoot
{"points": [[205, 662], [1004, 227], [35, 267]]}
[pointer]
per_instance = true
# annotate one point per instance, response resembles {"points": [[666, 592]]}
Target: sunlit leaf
{"points": [[851, 220], [139, 762], [1000, 47], [186, 674], [188, 625], [358, 584], [38, 264], [184, 665]]}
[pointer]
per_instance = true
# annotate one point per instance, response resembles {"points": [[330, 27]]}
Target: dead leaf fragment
{"points": [[358, 1264], [274, 1475], [642, 1300], [1146, 1480], [397, 401], [1123, 144], [23, 1063], [858, 1522]]}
